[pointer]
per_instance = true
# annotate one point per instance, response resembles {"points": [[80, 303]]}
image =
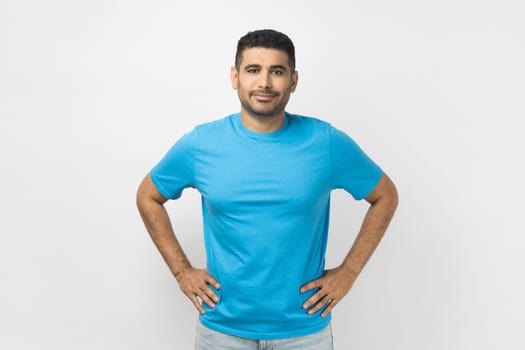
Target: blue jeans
{"points": [[208, 339]]}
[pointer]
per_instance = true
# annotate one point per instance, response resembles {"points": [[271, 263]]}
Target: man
{"points": [[265, 178]]}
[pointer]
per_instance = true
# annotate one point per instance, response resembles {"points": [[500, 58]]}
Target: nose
{"points": [[265, 81]]}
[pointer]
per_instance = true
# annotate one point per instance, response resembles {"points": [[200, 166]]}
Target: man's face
{"points": [[264, 81]]}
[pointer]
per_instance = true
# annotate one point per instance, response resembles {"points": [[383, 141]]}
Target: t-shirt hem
{"points": [[161, 188], [372, 185], [269, 336]]}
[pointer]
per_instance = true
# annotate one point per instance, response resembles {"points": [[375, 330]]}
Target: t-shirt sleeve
{"points": [[352, 169], [175, 171]]}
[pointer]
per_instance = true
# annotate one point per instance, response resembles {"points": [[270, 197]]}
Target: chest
{"points": [[293, 177]]}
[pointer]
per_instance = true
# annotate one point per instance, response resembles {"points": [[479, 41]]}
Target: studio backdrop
{"points": [[93, 93]]}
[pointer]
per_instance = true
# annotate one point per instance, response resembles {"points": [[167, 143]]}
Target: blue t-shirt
{"points": [[265, 207]]}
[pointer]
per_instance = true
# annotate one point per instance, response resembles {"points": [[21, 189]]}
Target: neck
{"points": [[262, 124]]}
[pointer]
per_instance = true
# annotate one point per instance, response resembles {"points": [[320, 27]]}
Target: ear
{"points": [[234, 74], [295, 80]]}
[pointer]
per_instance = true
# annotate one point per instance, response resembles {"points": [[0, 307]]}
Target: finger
{"points": [[197, 304], [206, 299], [211, 294], [310, 285], [329, 307], [314, 299], [213, 282], [319, 305]]}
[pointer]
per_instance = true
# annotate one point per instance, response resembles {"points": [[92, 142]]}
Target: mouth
{"points": [[263, 96]]}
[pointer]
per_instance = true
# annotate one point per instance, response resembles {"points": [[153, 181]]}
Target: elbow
{"points": [[394, 202], [147, 194], [391, 196], [140, 198], [394, 197], [385, 195]]}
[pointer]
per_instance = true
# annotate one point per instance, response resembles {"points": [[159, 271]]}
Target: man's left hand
{"points": [[332, 287]]}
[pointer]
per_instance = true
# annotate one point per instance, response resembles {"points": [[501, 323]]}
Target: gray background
{"points": [[92, 93]]}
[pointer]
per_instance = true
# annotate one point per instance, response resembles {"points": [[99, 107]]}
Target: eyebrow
{"points": [[277, 66]]}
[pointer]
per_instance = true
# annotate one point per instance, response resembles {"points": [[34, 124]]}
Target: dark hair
{"points": [[267, 38]]}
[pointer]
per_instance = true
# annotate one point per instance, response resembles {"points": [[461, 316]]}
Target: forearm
{"points": [[336, 283], [194, 283], [372, 230], [159, 227]]}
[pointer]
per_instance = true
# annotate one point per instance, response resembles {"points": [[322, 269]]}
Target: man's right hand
{"points": [[195, 284]]}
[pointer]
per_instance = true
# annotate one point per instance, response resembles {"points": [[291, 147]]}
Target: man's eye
{"points": [[252, 70], [277, 72]]}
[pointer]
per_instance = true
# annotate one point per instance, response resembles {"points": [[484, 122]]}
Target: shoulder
{"points": [[307, 120], [208, 132], [320, 127], [201, 135], [214, 126], [309, 124]]}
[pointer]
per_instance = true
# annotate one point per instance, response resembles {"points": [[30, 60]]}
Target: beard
{"points": [[266, 110]]}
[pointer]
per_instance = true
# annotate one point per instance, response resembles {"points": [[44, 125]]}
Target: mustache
{"points": [[264, 92]]}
